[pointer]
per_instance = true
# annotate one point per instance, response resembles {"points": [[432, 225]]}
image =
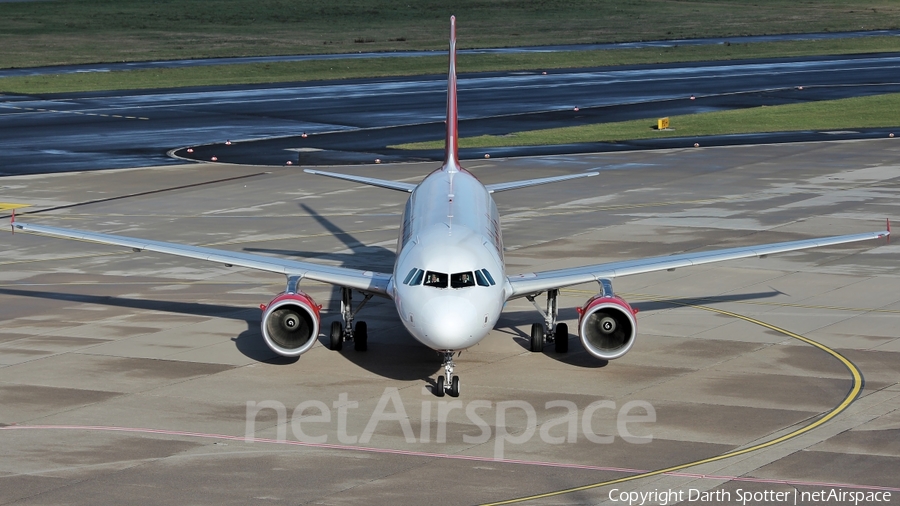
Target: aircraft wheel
{"points": [[537, 338], [361, 337], [454, 387], [337, 336], [562, 338], [439, 389]]}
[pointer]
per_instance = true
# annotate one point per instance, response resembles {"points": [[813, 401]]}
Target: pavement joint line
{"points": [[207, 245], [866, 409], [130, 283], [305, 236], [143, 430], [656, 298], [586, 209], [71, 112], [141, 194], [852, 396], [35, 260], [669, 471]]}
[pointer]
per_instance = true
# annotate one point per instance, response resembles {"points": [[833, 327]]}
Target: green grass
{"points": [[858, 112], [375, 67], [88, 31]]}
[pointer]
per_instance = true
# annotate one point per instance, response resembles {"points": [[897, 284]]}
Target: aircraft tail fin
{"points": [[451, 148]]}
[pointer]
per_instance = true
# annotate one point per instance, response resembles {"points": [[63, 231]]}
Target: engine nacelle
{"points": [[607, 326], [290, 324]]}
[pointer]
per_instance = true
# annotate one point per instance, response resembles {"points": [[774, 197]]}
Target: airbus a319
{"points": [[449, 282]]}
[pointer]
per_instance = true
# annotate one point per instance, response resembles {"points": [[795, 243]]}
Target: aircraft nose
{"points": [[452, 323]]}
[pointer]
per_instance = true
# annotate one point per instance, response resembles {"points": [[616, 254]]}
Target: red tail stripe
{"points": [[451, 147]]}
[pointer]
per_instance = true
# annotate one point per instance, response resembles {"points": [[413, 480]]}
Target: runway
{"points": [[354, 121], [126, 377], [204, 62]]}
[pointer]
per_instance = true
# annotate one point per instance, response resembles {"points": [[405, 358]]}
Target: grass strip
{"points": [[64, 32], [380, 67], [856, 112]]}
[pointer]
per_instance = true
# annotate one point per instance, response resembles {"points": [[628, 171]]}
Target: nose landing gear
{"points": [[448, 383]]}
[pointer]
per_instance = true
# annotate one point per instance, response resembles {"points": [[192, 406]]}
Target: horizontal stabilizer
{"points": [[515, 185], [382, 183]]}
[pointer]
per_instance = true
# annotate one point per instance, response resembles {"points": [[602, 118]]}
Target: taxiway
{"points": [[126, 377], [353, 121]]}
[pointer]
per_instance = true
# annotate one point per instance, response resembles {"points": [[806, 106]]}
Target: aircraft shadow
{"points": [[361, 256], [394, 360], [666, 303], [392, 353], [248, 342]]}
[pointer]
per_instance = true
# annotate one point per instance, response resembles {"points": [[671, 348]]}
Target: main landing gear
{"points": [[346, 332], [549, 331], [448, 383]]}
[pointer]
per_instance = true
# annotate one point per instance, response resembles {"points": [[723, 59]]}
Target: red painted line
{"points": [[411, 453]]}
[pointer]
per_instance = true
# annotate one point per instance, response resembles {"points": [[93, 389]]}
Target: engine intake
{"points": [[607, 326], [290, 324]]}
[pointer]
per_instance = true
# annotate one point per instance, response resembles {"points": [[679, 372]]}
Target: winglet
{"points": [[6, 206], [887, 233], [451, 148]]}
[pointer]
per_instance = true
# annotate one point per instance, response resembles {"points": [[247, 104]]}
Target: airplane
{"points": [[449, 282]]}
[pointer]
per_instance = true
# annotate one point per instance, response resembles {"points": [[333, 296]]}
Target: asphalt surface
{"points": [[354, 121], [203, 62], [125, 377]]}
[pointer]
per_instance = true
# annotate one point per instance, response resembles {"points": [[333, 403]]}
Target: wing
{"points": [[529, 283], [515, 185], [383, 183], [365, 281]]}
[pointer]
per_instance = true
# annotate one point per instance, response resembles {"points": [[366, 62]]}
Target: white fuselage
{"points": [[449, 279]]}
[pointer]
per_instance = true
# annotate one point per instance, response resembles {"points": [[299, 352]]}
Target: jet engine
{"points": [[290, 324], [607, 326]]}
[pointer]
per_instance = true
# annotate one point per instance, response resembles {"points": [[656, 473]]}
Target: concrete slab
{"points": [[170, 351]]}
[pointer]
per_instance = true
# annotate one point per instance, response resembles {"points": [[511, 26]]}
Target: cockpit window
{"points": [[417, 279], [410, 276], [462, 280], [436, 279], [488, 276], [480, 279]]}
